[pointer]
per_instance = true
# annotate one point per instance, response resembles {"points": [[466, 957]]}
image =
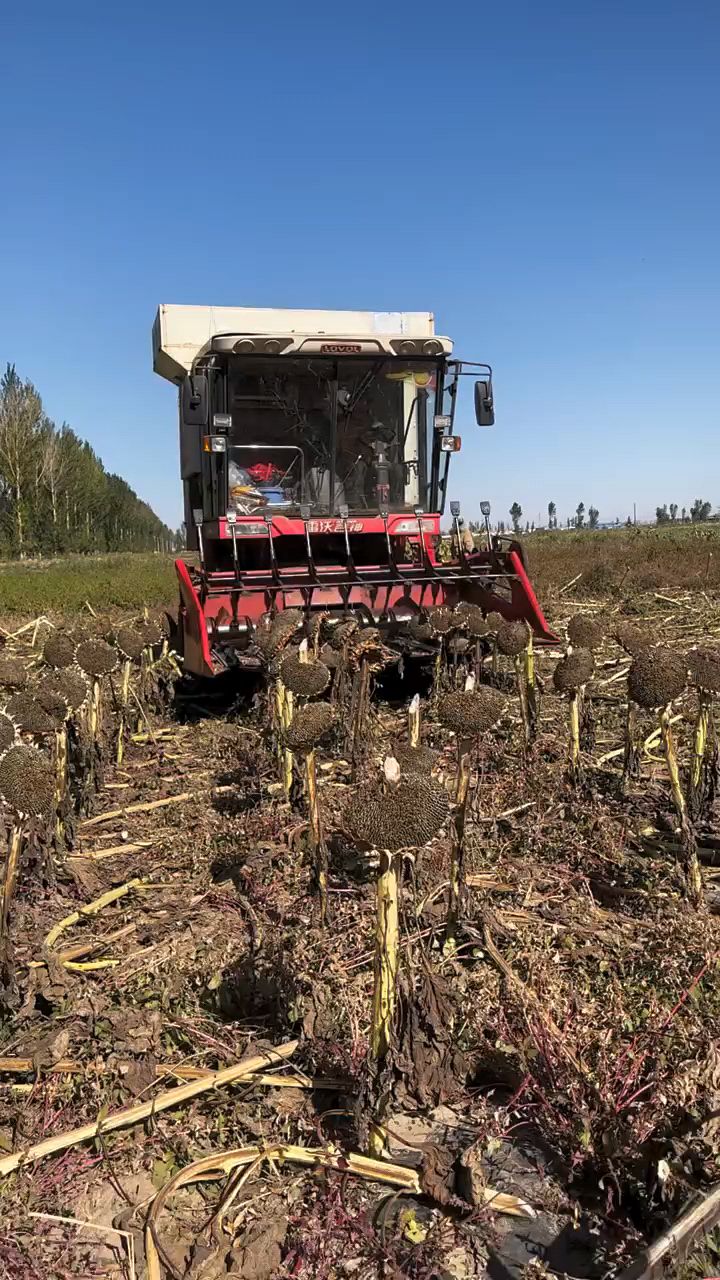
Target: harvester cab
{"points": [[314, 453]]}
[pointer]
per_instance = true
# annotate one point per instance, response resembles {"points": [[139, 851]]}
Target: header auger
{"points": [[314, 453]]}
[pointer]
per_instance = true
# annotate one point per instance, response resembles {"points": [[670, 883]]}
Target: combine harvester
{"points": [[314, 452]]}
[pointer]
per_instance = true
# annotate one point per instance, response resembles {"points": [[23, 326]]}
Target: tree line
{"points": [[55, 494], [700, 511], [589, 518]]}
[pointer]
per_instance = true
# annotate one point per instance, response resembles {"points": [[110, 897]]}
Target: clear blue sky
{"points": [[544, 177]]}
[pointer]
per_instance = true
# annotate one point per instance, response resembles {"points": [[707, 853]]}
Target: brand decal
{"points": [[341, 349], [334, 526]]}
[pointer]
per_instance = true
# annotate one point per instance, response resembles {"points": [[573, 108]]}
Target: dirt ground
{"points": [[554, 1085]]}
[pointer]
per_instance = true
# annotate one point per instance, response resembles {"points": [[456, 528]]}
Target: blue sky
{"points": [[544, 177]]}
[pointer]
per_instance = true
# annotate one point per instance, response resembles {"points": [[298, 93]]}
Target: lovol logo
{"points": [[341, 349]]}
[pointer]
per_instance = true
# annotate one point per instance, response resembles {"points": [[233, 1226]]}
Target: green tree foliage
{"points": [[673, 511], [552, 515], [593, 517], [516, 517], [55, 494], [700, 511], [661, 514], [580, 515]]}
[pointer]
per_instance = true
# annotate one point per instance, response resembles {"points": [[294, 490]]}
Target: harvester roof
{"points": [[182, 334]]}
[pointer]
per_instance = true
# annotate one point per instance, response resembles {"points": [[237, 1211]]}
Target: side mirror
{"points": [[484, 407], [195, 400]]}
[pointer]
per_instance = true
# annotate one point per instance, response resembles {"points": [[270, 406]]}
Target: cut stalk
{"points": [[700, 748], [11, 874], [531, 687], [387, 937], [575, 768], [287, 766], [124, 692], [631, 756], [317, 836], [61, 782], [457, 842], [414, 721], [689, 864], [523, 697], [95, 711]]}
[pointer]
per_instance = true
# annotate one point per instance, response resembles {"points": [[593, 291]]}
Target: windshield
{"points": [[328, 434]]}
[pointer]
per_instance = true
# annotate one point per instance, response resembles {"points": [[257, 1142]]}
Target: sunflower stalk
{"points": [[457, 842], [531, 687], [387, 938], [12, 867], [575, 767], [414, 721], [701, 744], [317, 836], [61, 783], [124, 693], [523, 699], [631, 755], [688, 857]]}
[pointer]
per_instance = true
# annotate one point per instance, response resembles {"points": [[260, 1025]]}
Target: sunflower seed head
{"points": [[309, 726], [29, 715], [59, 650], [512, 638], [468, 714], [656, 679], [307, 679], [96, 658], [585, 632], [27, 782], [573, 671]]}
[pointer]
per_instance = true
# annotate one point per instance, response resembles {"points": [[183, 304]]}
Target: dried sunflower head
{"points": [[309, 726], [27, 782], [59, 650], [29, 715], [494, 622], [468, 714], [366, 645], [282, 629], [442, 620], [131, 642], [656, 679], [151, 631], [307, 679], [415, 760], [512, 638], [472, 619], [12, 674], [407, 816], [585, 632], [71, 684], [704, 667], [51, 700], [96, 658], [573, 671], [342, 633], [633, 639]]}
